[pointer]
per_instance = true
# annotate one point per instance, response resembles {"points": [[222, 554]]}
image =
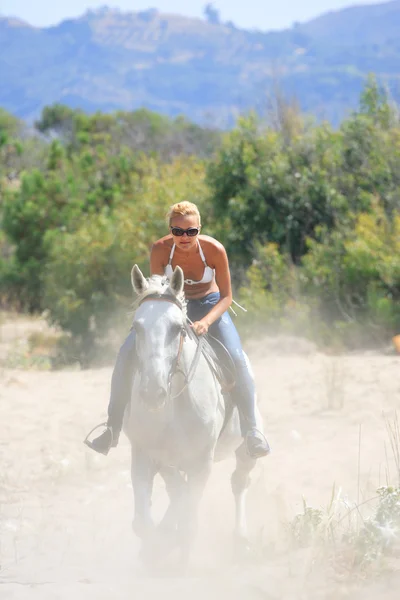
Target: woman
{"points": [[209, 294]]}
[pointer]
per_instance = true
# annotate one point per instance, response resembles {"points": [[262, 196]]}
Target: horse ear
{"points": [[139, 282], [177, 281]]}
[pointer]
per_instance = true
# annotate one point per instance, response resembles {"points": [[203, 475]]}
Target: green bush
{"points": [[309, 216], [355, 274], [87, 289]]}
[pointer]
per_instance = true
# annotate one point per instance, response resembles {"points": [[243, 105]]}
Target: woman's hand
{"points": [[200, 327]]}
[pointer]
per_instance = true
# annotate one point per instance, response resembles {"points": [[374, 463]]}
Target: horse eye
{"points": [[173, 333]]}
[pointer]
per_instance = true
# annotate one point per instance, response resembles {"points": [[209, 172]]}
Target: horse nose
{"points": [[154, 398]]}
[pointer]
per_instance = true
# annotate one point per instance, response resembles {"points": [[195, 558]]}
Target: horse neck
{"points": [[202, 378]]}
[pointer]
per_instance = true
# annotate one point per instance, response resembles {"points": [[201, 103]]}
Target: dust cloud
{"points": [[65, 512]]}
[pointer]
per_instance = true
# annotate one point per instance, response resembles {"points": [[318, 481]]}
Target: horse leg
{"points": [[240, 482], [175, 485], [143, 471], [187, 524]]}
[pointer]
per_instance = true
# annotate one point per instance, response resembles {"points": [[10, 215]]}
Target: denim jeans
{"points": [[224, 330]]}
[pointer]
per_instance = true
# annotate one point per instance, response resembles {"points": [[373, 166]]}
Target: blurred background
{"points": [[281, 122]]}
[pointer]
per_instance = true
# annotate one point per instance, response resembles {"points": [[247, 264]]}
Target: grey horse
{"points": [[177, 420]]}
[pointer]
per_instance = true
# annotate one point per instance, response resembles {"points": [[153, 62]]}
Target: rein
{"points": [[184, 332], [227, 387]]}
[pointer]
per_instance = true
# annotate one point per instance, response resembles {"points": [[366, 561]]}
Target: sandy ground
{"points": [[65, 512]]}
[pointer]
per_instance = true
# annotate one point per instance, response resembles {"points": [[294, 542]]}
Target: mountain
{"points": [[108, 59], [355, 25]]}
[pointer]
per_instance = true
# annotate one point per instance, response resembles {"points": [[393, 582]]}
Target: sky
{"points": [[260, 14]]}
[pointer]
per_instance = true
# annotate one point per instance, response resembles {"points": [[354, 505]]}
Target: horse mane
{"points": [[159, 284]]}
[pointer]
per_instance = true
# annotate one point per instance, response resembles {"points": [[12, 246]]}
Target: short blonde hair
{"points": [[183, 208]]}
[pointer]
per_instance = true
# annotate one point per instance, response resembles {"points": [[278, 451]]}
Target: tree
{"points": [[86, 278], [58, 120], [375, 103], [212, 14]]}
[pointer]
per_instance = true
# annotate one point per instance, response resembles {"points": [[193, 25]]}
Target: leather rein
{"points": [[176, 368]]}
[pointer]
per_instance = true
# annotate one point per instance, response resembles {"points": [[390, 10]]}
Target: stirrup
{"points": [[107, 428]]}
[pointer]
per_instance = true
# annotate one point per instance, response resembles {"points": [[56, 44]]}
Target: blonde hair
{"points": [[183, 208]]}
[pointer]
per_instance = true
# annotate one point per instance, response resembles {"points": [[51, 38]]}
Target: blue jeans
{"points": [[223, 329]]}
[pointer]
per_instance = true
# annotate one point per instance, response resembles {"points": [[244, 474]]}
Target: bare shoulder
{"points": [[163, 243], [160, 250], [212, 248]]}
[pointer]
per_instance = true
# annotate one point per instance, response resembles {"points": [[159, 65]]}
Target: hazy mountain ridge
{"points": [[108, 59], [354, 25]]}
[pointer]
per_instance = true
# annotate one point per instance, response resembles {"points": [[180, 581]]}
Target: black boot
{"points": [[256, 444], [104, 442]]}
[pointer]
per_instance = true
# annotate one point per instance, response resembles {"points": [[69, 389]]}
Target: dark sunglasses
{"points": [[191, 232]]}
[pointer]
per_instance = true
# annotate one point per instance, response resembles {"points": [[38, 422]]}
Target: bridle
{"points": [[176, 368], [176, 363]]}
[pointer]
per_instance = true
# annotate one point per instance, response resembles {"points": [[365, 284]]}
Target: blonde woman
{"points": [[209, 294]]}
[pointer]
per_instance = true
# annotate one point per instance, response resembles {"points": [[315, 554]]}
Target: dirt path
{"points": [[65, 513]]}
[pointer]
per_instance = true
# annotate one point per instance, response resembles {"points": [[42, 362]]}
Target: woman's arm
{"points": [[156, 259], [223, 279]]}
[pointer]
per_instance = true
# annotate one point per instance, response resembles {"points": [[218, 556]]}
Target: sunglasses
{"points": [[191, 232]]}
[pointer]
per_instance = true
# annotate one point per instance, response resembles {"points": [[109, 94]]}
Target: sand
{"points": [[65, 512]]}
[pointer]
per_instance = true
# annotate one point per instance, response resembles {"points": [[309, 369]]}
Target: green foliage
{"points": [[310, 217], [10, 147], [270, 296], [380, 532], [87, 277], [374, 103], [43, 202], [304, 526], [141, 130], [272, 187], [9, 126], [58, 119], [272, 192], [56, 199], [356, 275]]}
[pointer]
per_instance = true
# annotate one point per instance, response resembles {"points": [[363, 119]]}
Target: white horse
{"points": [[177, 421]]}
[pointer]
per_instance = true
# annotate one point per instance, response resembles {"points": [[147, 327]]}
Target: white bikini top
{"points": [[208, 274]]}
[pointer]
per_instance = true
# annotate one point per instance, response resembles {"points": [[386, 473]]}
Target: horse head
{"points": [[159, 324]]}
